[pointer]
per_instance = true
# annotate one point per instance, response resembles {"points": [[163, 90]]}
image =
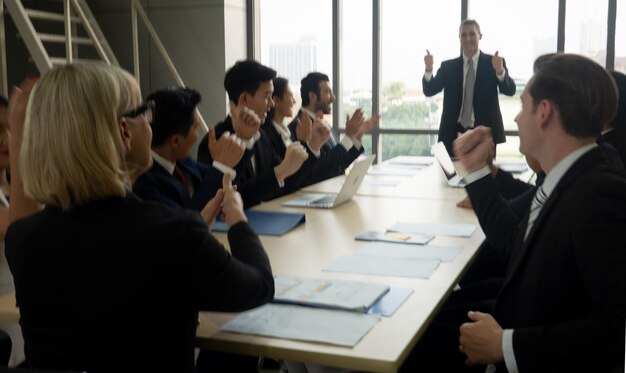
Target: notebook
{"points": [[348, 190], [442, 156]]}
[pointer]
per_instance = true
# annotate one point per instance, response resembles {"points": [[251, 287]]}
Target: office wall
{"points": [[202, 37]]}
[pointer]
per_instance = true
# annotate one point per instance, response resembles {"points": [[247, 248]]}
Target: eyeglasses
{"points": [[146, 109]]}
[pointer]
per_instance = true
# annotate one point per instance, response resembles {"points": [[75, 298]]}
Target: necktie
{"points": [[468, 95], [178, 174], [535, 207]]}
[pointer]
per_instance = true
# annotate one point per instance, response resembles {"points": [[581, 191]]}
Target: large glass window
{"points": [[620, 37], [296, 38], [585, 28], [408, 30], [356, 72], [520, 43]]}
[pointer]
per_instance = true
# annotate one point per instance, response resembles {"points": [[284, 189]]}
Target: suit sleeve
{"points": [[211, 182], [497, 220], [509, 186], [436, 83], [580, 343], [507, 86], [231, 283]]}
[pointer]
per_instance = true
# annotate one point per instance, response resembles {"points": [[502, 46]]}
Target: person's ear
{"points": [[243, 99], [125, 133], [312, 97], [173, 141], [546, 111]]}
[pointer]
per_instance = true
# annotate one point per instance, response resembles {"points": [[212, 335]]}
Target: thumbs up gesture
{"points": [[498, 63], [428, 61]]}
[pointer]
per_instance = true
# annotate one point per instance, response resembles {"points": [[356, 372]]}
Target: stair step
{"points": [[57, 38], [49, 16]]}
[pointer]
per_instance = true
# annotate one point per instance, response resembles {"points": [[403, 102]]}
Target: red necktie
{"points": [[178, 174]]}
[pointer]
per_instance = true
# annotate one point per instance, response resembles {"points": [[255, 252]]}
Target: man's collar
{"points": [[168, 165]]}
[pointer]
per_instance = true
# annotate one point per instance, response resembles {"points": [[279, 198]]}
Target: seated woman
{"points": [[103, 280]]}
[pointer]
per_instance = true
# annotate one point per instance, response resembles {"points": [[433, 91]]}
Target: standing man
{"points": [[470, 83], [563, 304]]}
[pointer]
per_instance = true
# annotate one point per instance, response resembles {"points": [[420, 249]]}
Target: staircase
{"points": [[80, 29], [69, 28]]}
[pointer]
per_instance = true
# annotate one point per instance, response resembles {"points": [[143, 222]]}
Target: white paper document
{"points": [[378, 265], [400, 251], [343, 328], [317, 292], [455, 230]]}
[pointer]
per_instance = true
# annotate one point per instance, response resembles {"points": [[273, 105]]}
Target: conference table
{"points": [[423, 197], [328, 234]]}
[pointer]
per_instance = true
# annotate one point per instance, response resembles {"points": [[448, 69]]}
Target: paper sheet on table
{"points": [[378, 265], [381, 182], [398, 250], [455, 230], [303, 323], [392, 171]]}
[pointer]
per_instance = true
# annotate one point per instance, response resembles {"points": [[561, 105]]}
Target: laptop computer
{"points": [[348, 190], [442, 156]]}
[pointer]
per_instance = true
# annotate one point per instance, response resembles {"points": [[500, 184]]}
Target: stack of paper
{"points": [[347, 295], [303, 323]]}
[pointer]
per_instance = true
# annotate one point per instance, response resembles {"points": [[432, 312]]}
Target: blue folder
{"points": [[268, 223]]}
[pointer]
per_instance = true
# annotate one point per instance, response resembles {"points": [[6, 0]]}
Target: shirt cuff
{"points": [[477, 175], [357, 144], [507, 351], [281, 183], [428, 76], [315, 153], [347, 142], [224, 169], [501, 77]]}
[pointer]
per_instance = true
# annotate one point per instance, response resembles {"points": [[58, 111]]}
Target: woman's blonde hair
{"points": [[72, 152]]}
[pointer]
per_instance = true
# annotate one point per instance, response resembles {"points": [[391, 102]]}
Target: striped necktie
{"points": [[535, 208]]}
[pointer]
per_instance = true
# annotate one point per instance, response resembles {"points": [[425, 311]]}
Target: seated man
{"points": [[317, 98], [563, 303], [175, 179], [260, 176]]}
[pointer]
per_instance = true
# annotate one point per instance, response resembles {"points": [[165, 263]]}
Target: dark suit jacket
{"points": [[160, 186], [449, 78], [116, 285], [333, 160], [565, 292], [254, 184], [617, 139], [275, 142]]}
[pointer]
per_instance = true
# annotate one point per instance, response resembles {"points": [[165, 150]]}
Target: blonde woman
{"points": [[104, 281]]}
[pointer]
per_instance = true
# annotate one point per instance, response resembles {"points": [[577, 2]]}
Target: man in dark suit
{"points": [[563, 303], [470, 95], [335, 156], [175, 179], [259, 175]]}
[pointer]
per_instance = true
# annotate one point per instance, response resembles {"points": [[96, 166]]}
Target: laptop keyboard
{"points": [[324, 200]]}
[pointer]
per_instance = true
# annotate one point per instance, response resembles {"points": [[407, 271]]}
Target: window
{"points": [[408, 30], [585, 29], [620, 38], [357, 59], [520, 42], [296, 38]]}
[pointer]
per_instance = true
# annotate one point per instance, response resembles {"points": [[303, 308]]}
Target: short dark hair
{"points": [[619, 122], [174, 112], [246, 76], [3, 101], [583, 92], [469, 22], [311, 83], [280, 86]]}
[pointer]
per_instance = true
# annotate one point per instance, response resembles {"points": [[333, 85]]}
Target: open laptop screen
{"points": [[441, 154]]}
